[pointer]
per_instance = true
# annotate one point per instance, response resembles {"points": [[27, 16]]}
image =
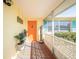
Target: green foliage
{"points": [[21, 35], [71, 36], [17, 37]]}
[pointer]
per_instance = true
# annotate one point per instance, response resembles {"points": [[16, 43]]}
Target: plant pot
{"points": [[19, 47], [20, 43], [41, 42]]}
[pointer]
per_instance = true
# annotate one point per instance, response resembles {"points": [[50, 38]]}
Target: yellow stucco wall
{"points": [[10, 29]]}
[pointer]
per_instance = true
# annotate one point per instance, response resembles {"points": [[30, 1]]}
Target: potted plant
{"points": [[20, 40], [20, 37]]}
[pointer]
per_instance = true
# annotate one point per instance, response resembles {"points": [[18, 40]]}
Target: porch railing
{"points": [[63, 49]]}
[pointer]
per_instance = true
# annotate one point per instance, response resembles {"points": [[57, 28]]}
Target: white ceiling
{"points": [[37, 8]]}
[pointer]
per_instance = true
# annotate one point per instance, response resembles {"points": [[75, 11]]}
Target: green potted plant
{"points": [[20, 37]]}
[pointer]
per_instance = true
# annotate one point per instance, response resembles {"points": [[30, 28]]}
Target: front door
{"points": [[32, 29]]}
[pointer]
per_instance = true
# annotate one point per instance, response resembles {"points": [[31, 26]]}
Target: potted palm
{"points": [[20, 37]]}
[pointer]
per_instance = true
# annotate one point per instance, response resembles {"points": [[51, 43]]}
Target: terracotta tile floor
{"points": [[40, 51]]}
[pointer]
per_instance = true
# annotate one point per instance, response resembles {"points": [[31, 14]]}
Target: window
{"points": [[73, 26], [56, 26], [65, 25], [62, 26], [49, 26], [45, 27]]}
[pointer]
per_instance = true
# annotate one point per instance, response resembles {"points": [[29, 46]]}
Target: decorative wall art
{"points": [[19, 20]]}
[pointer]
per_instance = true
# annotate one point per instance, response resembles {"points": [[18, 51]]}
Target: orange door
{"points": [[32, 29]]}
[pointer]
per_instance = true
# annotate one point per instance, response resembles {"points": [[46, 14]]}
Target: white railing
{"points": [[62, 48]]}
